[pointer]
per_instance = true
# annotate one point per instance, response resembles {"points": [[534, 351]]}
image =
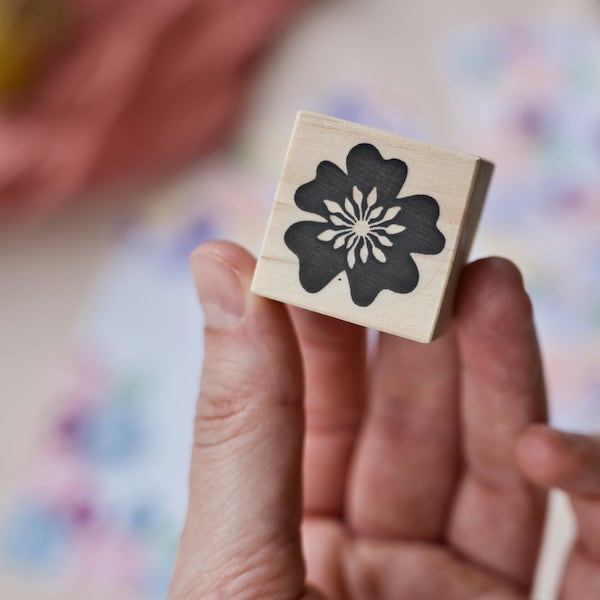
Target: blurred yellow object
{"points": [[29, 30]]}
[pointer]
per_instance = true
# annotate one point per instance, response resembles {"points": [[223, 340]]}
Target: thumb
{"points": [[241, 536]]}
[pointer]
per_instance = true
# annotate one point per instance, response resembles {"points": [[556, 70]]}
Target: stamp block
{"points": [[371, 227]]}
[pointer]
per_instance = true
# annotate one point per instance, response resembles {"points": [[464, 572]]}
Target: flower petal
{"points": [[393, 229], [420, 214], [375, 212], [384, 241], [318, 263], [366, 168], [372, 197], [351, 240], [378, 254], [330, 183], [390, 213], [350, 210], [333, 207], [364, 252], [351, 257], [357, 196], [327, 235], [338, 221], [340, 240], [399, 274]]}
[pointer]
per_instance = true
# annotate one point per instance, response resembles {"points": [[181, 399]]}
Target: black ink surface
{"points": [[365, 229]]}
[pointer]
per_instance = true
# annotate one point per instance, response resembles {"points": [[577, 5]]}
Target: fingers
{"points": [[571, 462], [581, 578], [497, 516], [568, 461], [334, 364], [407, 459], [503, 384], [241, 536]]}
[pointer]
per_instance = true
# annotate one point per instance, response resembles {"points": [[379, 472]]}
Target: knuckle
{"points": [[270, 571], [225, 412], [232, 406]]}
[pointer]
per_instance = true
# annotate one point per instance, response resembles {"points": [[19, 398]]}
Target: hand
{"points": [[417, 464]]}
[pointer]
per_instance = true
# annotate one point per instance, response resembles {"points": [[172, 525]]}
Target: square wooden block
{"points": [[371, 227]]}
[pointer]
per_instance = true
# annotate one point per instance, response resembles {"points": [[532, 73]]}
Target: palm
{"points": [[397, 569], [411, 488]]}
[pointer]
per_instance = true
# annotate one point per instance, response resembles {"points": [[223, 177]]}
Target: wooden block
{"points": [[371, 227]]}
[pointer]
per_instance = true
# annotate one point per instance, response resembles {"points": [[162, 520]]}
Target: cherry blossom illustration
{"points": [[361, 227]]}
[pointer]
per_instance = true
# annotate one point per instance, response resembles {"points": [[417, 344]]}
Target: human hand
{"points": [[416, 464]]}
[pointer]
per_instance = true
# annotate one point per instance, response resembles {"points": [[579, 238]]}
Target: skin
{"points": [[321, 471]]}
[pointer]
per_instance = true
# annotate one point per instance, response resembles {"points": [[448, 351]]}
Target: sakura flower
{"points": [[361, 227]]}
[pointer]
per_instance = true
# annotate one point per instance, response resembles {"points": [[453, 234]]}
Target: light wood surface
{"points": [[456, 181]]}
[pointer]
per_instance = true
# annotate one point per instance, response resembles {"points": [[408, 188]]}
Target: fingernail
{"points": [[220, 290]]}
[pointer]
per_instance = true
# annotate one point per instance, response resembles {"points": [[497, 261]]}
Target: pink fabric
{"points": [[146, 85]]}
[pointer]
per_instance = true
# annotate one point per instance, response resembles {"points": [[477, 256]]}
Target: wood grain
{"points": [[457, 181]]}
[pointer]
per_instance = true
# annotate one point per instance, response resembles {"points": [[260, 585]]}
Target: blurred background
{"points": [[131, 131]]}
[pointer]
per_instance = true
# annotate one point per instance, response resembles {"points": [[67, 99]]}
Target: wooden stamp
{"points": [[371, 227]]}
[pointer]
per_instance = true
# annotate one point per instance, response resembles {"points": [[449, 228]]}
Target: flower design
{"points": [[358, 225], [361, 227]]}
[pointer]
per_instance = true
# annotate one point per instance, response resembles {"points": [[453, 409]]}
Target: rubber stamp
{"points": [[371, 227]]}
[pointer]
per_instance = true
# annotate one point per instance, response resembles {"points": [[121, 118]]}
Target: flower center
{"points": [[361, 227]]}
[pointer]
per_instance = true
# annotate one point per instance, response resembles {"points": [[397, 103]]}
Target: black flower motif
{"points": [[363, 228]]}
